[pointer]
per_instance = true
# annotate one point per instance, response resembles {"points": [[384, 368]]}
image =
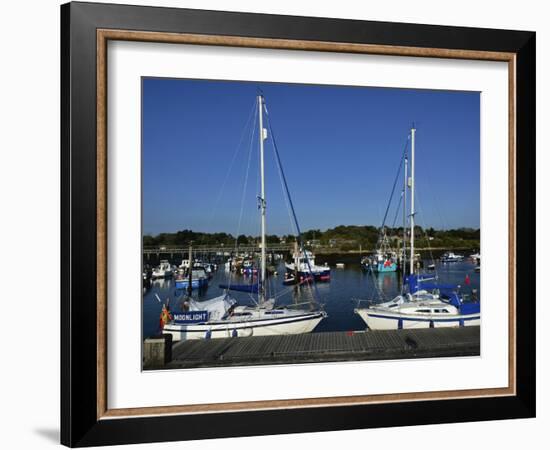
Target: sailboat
{"points": [[385, 258], [427, 304], [222, 316]]}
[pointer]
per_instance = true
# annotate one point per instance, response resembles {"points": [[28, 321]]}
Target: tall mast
{"points": [[405, 185], [262, 135], [413, 132], [190, 274]]}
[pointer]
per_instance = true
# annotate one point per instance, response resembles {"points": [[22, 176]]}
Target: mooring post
{"points": [[157, 351]]}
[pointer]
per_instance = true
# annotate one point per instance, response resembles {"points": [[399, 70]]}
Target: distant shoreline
{"points": [[321, 251], [325, 251]]}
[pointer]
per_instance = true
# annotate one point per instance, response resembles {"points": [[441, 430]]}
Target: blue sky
{"points": [[340, 148]]}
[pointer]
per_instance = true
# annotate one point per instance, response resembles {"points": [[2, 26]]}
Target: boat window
{"points": [[274, 312], [240, 314], [393, 305], [423, 311]]}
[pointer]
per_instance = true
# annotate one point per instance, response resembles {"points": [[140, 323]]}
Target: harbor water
{"points": [[339, 296]]}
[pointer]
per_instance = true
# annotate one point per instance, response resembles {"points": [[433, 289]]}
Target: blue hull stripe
{"points": [[234, 324], [411, 319]]}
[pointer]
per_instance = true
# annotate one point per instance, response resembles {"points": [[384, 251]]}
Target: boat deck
{"points": [[326, 347]]}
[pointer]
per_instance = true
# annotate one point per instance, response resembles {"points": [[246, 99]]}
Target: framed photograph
{"points": [[275, 224]]}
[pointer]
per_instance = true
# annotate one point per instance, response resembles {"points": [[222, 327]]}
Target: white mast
{"points": [[190, 269], [263, 135], [413, 131], [405, 183]]}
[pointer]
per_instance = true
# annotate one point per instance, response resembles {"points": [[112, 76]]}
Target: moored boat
{"points": [[449, 257], [164, 270], [199, 279], [304, 267], [222, 316], [425, 305], [421, 308], [380, 261]]}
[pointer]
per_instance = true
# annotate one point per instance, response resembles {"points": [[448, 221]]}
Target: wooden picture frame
{"points": [[85, 416]]}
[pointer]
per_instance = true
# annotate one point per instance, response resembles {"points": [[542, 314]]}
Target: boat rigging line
{"points": [[251, 115], [243, 194], [397, 176]]}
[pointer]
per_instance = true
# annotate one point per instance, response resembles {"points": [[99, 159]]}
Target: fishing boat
{"points": [[164, 270], [426, 304], [304, 268], [381, 261], [222, 316], [385, 258], [449, 257]]}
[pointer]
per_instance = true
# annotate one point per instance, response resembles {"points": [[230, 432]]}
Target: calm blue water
{"points": [[339, 296]]}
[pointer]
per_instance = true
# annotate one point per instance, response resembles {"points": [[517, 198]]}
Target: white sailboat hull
{"points": [[296, 324], [382, 320]]}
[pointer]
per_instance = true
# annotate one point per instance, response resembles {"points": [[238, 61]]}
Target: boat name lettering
{"points": [[192, 316]]}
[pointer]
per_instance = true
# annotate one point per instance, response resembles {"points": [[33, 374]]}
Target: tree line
{"points": [[342, 237]]}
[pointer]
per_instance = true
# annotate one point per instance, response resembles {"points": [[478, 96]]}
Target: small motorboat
{"points": [[449, 257], [164, 270], [304, 265]]}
